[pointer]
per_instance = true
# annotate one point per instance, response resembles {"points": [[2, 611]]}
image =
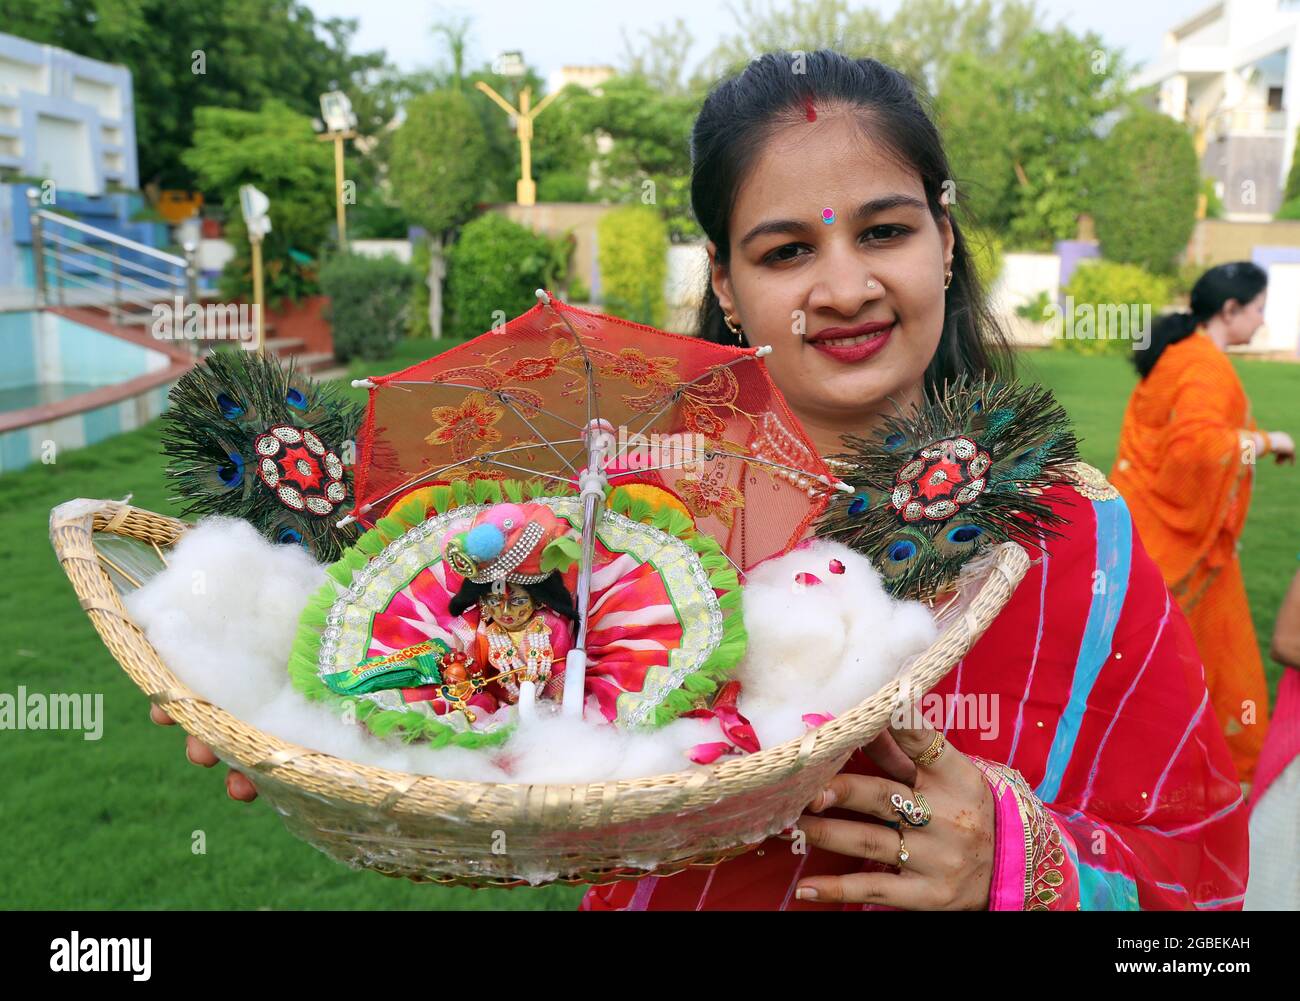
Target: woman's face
{"points": [[1243, 321], [792, 272]]}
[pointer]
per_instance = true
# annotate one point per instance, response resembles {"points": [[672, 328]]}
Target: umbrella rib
{"points": [[474, 458], [818, 477], [499, 394], [586, 361], [676, 394]]}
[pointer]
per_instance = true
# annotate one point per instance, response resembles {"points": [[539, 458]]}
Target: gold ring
{"points": [[931, 754], [903, 854], [924, 805]]}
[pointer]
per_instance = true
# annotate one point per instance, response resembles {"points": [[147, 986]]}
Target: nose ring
{"points": [[871, 284]]}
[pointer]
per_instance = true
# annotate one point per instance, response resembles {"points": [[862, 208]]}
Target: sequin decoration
{"points": [[303, 474], [940, 479]]}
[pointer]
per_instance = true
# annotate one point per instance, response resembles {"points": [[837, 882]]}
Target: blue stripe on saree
{"points": [[1114, 550], [1100, 889]]}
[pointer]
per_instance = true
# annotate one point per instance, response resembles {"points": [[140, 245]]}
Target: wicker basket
{"points": [[497, 834]]}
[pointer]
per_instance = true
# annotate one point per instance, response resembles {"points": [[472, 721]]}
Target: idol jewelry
{"points": [[931, 754]]}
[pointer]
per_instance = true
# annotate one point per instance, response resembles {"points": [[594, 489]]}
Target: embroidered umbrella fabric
{"points": [[529, 398]]}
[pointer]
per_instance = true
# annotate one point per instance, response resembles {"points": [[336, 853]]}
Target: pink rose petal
{"points": [[817, 719], [706, 754]]}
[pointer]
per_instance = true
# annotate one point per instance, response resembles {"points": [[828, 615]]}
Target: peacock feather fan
{"points": [[933, 488], [248, 439]]}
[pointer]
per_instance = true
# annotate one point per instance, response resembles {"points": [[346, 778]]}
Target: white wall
{"points": [[1281, 330], [401, 249]]}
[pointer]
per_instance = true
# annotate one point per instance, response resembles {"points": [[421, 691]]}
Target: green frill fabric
{"points": [[413, 726]]}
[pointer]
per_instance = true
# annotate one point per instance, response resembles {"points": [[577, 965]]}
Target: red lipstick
{"points": [[852, 344]]}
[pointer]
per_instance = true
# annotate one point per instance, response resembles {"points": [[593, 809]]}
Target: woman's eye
{"points": [[887, 231], [776, 256]]}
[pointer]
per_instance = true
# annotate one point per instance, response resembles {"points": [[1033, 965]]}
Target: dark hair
{"points": [[550, 593], [742, 112], [1240, 280]]}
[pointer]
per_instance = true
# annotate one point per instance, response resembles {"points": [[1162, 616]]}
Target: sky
{"points": [[555, 33]]}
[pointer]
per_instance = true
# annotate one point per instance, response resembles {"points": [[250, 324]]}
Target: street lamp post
{"points": [[340, 124], [525, 188], [256, 208]]}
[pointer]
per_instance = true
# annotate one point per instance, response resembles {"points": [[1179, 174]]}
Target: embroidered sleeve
{"points": [[1031, 868]]}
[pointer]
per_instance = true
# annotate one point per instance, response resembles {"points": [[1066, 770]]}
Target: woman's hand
{"points": [[1282, 446], [237, 785], [950, 860]]}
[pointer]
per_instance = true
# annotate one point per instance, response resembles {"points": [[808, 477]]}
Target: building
{"points": [[1232, 73], [65, 118]]}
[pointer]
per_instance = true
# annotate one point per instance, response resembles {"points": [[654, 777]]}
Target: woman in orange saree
{"points": [[1185, 466]]}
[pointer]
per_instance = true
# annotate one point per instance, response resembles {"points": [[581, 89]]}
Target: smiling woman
{"points": [[1097, 780], [891, 279]]}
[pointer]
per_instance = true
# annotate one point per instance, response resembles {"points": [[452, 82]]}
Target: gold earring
{"points": [[738, 331], [947, 278]]}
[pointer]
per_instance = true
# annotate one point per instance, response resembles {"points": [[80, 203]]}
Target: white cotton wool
{"points": [[225, 613], [824, 646]]}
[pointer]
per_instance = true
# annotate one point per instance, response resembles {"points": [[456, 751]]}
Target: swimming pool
{"points": [[69, 378]]}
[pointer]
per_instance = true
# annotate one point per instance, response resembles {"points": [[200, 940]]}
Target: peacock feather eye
{"points": [[902, 550], [859, 503], [287, 536], [964, 533], [231, 473], [296, 399], [230, 409], [895, 441]]}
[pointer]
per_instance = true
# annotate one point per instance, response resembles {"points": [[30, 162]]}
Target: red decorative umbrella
{"points": [[592, 400]]}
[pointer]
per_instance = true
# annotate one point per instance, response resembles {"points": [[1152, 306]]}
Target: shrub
{"points": [[1112, 306], [1144, 192], [563, 186], [633, 257], [369, 297], [494, 270], [1289, 210], [417, 313]]}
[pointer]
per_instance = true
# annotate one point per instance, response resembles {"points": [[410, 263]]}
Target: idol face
{"points": [[511, 610]]}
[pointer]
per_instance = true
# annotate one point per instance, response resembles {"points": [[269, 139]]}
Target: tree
{"points": [[649, 161], [1144, 197], [275, 149], [437, 160], [186, 54], [1024, 132]]}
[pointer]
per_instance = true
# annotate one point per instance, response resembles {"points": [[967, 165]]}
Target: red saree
{"points": [[1115, 788]]}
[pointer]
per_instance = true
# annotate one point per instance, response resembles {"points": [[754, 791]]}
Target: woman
{"points": [[1187, 453], [1127, 797], [1103, 760]]}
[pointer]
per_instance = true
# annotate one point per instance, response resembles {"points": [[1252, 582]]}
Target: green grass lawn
{"points": [[110, 823]]}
